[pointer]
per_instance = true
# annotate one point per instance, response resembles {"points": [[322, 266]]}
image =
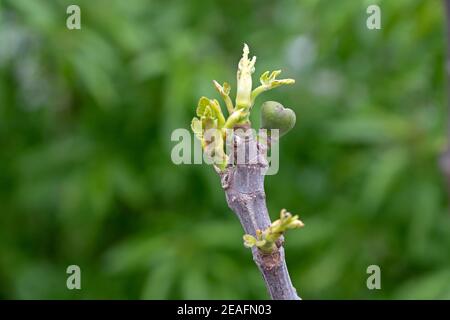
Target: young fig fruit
{"points": [[275, 116]]}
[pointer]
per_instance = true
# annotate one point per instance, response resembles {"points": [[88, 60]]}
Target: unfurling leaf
{"points": [[265, 240], [269, 81], [249, 240], [244, 79], [224, 92], [196, 126]]}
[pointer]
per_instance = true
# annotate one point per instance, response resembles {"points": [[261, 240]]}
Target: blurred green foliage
{"points": [[85, 170]]}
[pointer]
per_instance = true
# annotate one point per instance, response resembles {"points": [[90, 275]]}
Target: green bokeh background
{"points": [[86, 176]]}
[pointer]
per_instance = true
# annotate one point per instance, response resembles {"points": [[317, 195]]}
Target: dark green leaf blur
{"points": [[86, 176]]}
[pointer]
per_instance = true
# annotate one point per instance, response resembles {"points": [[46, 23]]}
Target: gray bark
{"points": [[244, 188]]}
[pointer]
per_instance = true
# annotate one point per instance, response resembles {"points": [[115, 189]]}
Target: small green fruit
{"points": [[275, 116]]}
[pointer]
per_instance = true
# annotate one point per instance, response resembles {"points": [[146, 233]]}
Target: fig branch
{"points": [[239, 156]]}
